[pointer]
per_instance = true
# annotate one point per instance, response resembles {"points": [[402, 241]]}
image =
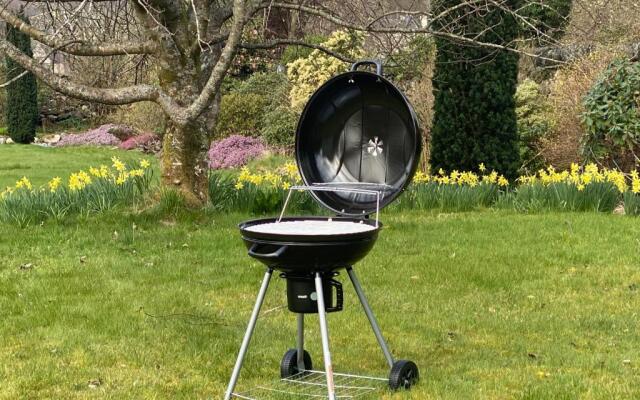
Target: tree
{"points": [[193, 44], [474, 111], [22, 91]]}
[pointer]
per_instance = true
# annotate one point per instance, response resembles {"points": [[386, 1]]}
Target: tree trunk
{"points": [[184, 161]]}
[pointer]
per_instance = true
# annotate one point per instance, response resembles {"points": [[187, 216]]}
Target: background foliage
{"points": [[307, 74], [534, 123], [612, 114]]}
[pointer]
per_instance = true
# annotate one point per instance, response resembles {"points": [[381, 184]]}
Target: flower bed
{"points": [[579, 189], [95, 190]]}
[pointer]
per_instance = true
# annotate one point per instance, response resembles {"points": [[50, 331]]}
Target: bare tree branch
{"points": [[79, 48], [427, 30], [124, 95], [220, 69], [284, 42], [25, 72]]}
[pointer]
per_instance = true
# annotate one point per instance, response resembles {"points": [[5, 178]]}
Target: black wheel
{"points": [[404, 374], [289, 364]]}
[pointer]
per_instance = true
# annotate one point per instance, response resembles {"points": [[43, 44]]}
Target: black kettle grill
{"points": [[357, 148]]}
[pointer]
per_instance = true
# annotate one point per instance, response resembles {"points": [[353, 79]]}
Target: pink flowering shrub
{"points": [[100, 136], [140, 141], [234, 151]]}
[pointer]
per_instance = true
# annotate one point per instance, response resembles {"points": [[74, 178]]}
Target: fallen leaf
{"points": [[532, 355], [26, 266], [83, 259]]}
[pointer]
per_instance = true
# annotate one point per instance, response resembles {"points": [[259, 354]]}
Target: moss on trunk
{"points": [[184, 161]]}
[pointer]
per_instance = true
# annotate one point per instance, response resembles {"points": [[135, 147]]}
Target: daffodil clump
{"points": [[97, 189], [588, 188], [258, 191], [462, 178], [582, 177], [282, 178], [453, 191]]}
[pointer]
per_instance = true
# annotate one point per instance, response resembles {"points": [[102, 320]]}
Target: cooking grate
{"points": [[313, 385]]}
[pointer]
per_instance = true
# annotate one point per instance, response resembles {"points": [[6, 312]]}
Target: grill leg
{"points": [[248, 334], [324, 332], [370, 316], [300, 342]]}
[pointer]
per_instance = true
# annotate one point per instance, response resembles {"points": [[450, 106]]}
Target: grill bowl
{"points": [[308, 253]]}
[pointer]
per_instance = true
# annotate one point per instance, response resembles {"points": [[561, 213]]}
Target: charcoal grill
{"points": [[357, 148]]}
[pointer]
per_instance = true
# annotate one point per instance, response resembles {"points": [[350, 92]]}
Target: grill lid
{"points": [[358, 131]]}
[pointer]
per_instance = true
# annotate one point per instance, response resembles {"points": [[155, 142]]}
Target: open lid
{"points": [[358, 131]]}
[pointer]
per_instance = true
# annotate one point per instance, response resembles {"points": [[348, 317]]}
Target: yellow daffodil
{"points": [[256, 179], [117, 164], [502, 181], [575, 168], [84, 177], [122, 178], [54, 184], [7, 191], [94, 171], [482, 168], [239, 185], [635, 185], [286, 185], [104, 171], [591, 169], [75, 183], [136, 172], [24, 182], [291, 170], [145, 164], [245, 174]]}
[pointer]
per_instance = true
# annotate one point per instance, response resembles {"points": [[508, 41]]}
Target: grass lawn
{"points": [[40, 164], [490, 305]]}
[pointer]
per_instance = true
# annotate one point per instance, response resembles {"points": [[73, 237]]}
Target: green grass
{"points": [[490, 305], [40, 164]]}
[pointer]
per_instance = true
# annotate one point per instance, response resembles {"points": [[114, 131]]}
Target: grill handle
{"points": [[268, 256], [377, 63], [339, 296]]}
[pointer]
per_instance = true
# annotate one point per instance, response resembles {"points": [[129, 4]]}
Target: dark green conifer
{"points": [[22, 93]]}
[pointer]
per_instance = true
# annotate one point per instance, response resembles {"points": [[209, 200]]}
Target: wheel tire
{"points": [[289, 364], [404, 374]]}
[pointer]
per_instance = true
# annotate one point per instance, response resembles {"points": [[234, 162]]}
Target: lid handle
{"points": [[377, 63]]}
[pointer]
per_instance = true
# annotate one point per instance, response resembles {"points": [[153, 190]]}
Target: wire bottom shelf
{"points": [[313, 385]]}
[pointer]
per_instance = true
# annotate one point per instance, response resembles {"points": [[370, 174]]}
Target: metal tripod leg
{"points": [[370, 316], [300, 343], [248, 334], [324, 332]]}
